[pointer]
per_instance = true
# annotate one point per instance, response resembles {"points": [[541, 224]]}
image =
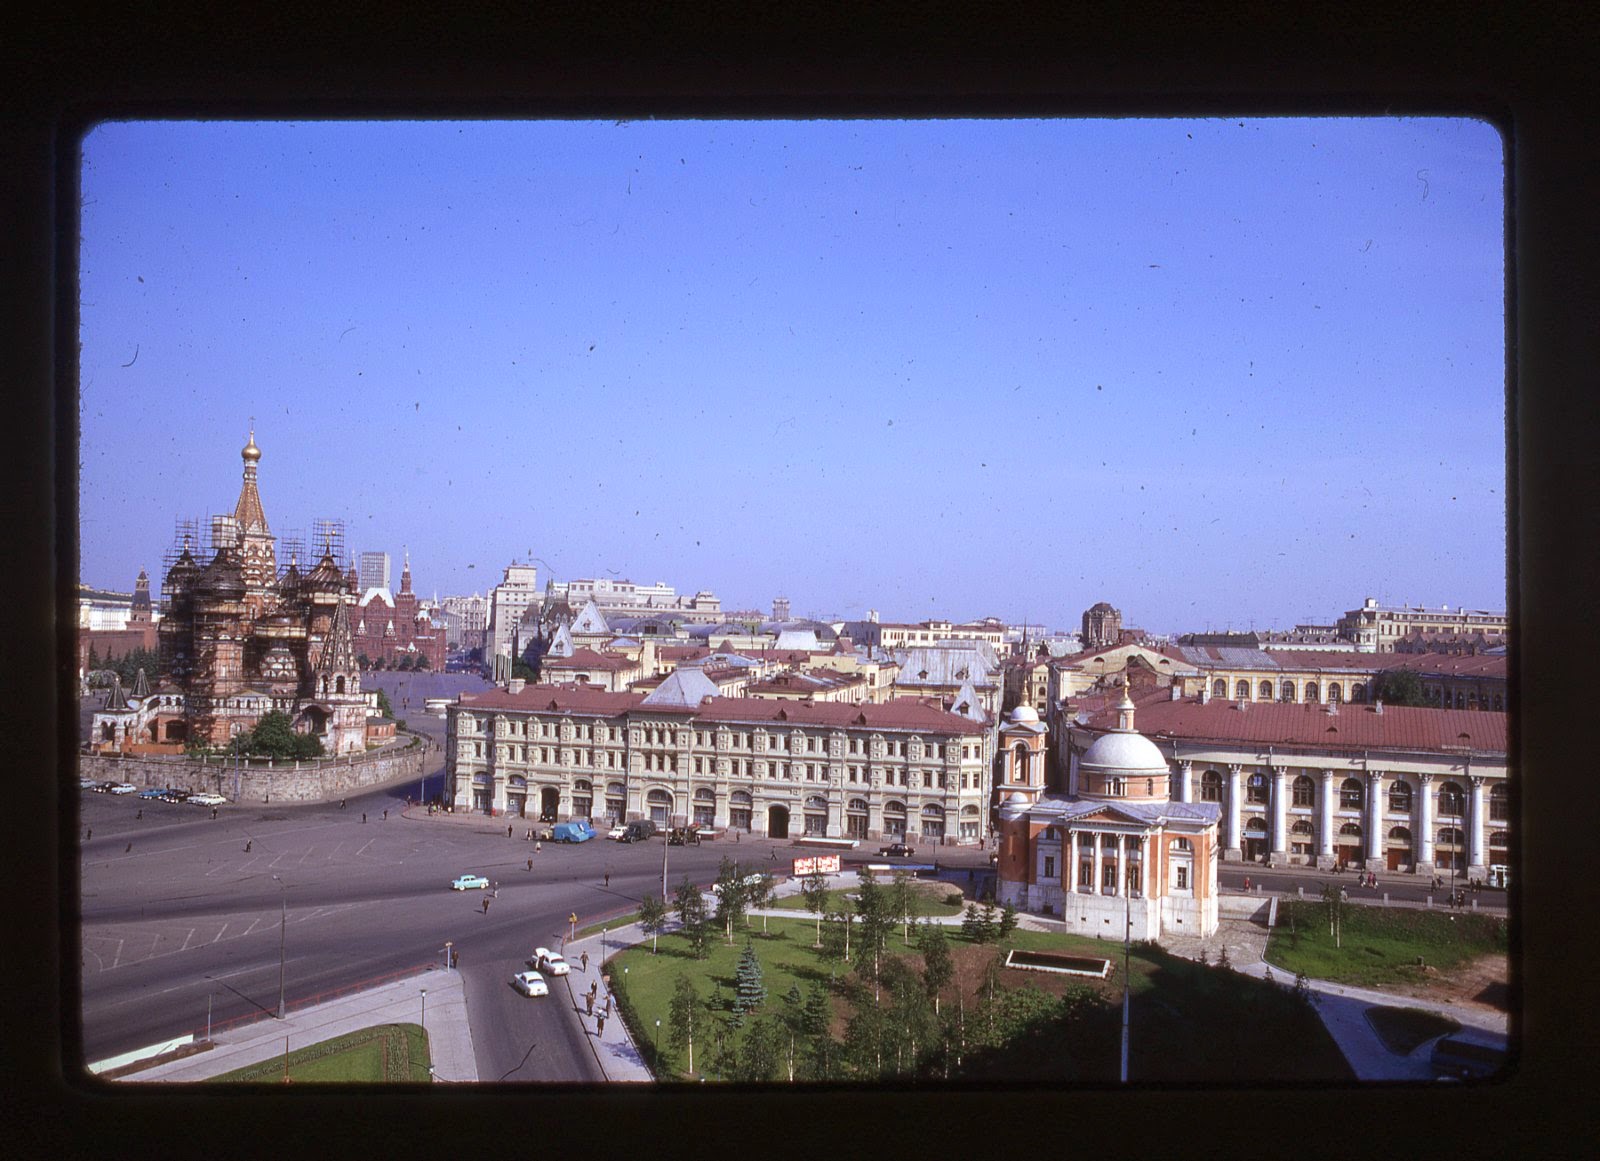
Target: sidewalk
{"points": [[400, 1002]]}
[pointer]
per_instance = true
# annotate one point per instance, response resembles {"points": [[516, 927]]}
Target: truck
{"points": [[638, 829], [571, 832]]}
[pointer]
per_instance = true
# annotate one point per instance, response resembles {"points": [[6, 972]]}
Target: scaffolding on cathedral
{"points": [[186, 533], [327, 535]]}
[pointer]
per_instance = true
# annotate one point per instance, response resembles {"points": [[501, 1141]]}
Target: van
{"points": [[638, 829], [571, 832]]}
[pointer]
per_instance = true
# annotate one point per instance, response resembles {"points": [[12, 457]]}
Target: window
{"points": [[1311, 692], [1219, 687], [1255, 789], [1334, 692], [1211, 786], [1400, 798], [1241, 690], [1180, 879], [1114, 787], [1305, 791], [1049, 867], [1086, 873], [1451, 800], [1350, 794], [1499, 803], [1286, 691]]}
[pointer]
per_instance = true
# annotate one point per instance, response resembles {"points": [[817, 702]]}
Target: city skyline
{"points": [[1217, 373]]}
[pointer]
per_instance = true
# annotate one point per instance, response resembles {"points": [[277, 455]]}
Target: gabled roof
{"points": [[590, 620], [561, 643], [682, 687]]}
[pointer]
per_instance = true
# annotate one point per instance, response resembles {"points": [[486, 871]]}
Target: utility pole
{"points": [[283, 923]]}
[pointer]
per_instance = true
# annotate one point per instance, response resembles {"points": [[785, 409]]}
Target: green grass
{"points": [[393, 1053], [1379, 945], [1402, 1029]]}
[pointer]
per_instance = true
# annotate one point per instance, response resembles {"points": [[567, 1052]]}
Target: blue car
{"points": [[154, 792]]}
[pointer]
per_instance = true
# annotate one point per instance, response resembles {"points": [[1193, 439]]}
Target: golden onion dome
{"points": [[251, 452]]}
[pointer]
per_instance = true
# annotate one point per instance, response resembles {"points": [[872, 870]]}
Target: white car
{"points": [[617, 831], [207, 799], [87, 784], [550, 961], [122, 788], [530, 984], [468, 882]]}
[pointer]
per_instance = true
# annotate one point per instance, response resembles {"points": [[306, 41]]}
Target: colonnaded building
{"points": [[682, 754]]}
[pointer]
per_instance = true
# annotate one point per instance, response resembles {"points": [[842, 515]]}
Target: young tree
{"points": [[692, 914], [988, 929], [1008, 921], [902, 895], [969, 924], [307, 746], [792, 1022], [814, 890], [682, 1014], [760, 1053], [384, 706], [938, 965], [758, 895], [364, 662], [421, 663], [835, 933], [730, 895], [273, 736], [749, 991], [874, 909], [652, 918]]}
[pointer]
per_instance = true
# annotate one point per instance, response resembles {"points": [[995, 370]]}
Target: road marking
{"points": [[186, 940], [252, 926], [219, 934], [365, 845], [116, 956], [309, 852]]}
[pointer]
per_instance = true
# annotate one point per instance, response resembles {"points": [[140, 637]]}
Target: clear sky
{"points": [[1218, 373]]}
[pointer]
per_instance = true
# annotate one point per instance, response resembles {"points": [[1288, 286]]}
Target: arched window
{"points": [[1265, 692], [1400, 798], [1311, 692], [1401, 835], [1350, 830], [1211, 786], [1020, 772], [1350, 795], [1255, 789], [1286, 691], [856, 806], [1358, 691], [740, 798], [1301, 827], [1451, 800], [1335, 693], [1499, 802], [1241, 690], [1219, 687], [1305, 791]]}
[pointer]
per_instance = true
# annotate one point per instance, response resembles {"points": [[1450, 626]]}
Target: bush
{"points": [[954, 899]]}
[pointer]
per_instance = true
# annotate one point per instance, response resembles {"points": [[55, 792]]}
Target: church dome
{"points": [[1124, 752], [251, 453], [1024, 713]]}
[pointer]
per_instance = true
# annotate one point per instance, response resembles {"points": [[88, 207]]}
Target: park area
{"points": [[772, 1006], [1443, 955], [387, 1053]]}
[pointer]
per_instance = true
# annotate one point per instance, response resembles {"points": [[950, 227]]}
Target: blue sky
{"points": [[1216, 373]]}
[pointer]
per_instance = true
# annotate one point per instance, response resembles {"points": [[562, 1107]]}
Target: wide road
{"points": [[189, 917]]}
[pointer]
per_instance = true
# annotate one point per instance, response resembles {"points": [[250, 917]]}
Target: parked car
{"points": [[173, 794], [896, 851], [469, 882], [120, 788], [549, 961], [617, 831], [207, 799], [530, 984], [153, 793], [705, 833], [680, 835], [638, 829], [571, 832], [88, 784]]}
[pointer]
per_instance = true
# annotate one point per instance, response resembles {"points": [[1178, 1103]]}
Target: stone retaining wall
{"points": [[315, 781]]}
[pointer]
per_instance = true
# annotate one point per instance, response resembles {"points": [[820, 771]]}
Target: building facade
{"points": [[1102, 626], [1374, 787], [372, 570], [682, 754], [1375, 628], [391, 627]]}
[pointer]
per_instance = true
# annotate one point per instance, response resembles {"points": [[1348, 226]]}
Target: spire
{"points": [[141, 684], [405, 575], [248, 511], [338, 651], [117, 700]]}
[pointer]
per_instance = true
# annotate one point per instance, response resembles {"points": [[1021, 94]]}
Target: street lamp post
{"points": [[424, 1012], [283, 924], [1127, 990]]}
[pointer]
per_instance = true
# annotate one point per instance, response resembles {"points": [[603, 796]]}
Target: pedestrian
{"points": [[594, 988], [363, 818], [537, 847], [213, 812], [248, 844], [600, 1025], [129, 850], [140, 814], [530, 864], [90, 835], [608, 879], [386, 815], [1247, 882], [495, 889], [588, 1003], [341, 804], [608, 1005], [736, 835], [508, 832], [1344, 895], [773, 854], [584, 959], [486, 904]]}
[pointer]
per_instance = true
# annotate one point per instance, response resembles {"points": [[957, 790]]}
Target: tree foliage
{"points": [[652, 917], [749, 992], [1399, 687], [683, 1015], [731, 895], [691, 908], [814, 890]]}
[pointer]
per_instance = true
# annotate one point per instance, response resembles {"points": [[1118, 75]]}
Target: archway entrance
{"points": [[549, 803], [778, 822]]}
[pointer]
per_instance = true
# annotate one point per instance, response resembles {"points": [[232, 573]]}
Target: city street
{"points": [[189, 917]]}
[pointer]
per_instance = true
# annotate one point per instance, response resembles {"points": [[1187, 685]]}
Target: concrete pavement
{"points": [[399, 1002]]}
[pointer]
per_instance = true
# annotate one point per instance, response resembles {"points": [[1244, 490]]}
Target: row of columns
{"points": [[1124, 848], [1373, 823]]}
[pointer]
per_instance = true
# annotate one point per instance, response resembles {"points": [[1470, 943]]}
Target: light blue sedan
{"points": [[468, 882]]}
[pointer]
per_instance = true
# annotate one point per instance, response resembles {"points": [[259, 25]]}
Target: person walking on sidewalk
{"points": [[608, 879], [530, 864], [584, 959], [600, 1026], [486, 904], [588, 1003]]}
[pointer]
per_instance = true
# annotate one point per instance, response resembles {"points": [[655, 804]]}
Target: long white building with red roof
{"points": [[682, 754]]}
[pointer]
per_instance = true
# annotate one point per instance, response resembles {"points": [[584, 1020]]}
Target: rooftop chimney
{"points": [[1377, 706], [1205, 695], [1177, 692], [515, 685], [1333, 706]]}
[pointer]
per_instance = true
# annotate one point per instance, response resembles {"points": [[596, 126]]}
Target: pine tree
{"points": [[749, 991], [969, 923], [1223, 961], [1008, 921], [988, 929]]}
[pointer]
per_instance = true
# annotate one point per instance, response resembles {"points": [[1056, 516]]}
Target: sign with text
{"points": [[823, 864]]}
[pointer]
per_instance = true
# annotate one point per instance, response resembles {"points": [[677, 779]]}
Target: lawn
{"points": [[1380, 945], [1191, 1023], [386, 1053]]}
